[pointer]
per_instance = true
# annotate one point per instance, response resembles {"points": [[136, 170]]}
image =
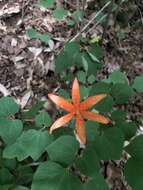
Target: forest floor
{"points": [[27, 66]]}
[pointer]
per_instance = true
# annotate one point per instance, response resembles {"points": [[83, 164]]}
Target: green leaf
{"points": [[96, 51], [6, 187], [135, 148], [105, 105], [71, 22], [81, 75], [21, 188], [78, 15], [63, 93], [91, 66], [133, 173], [89, 163], [138, 83], [43, 119], [33, 110], [91, 79], [69, 57], [10, 163], [91, 128], [84, 92], [24, 174], [46, 3], [10, 130], [52, 176], [63, 149], [32, 33], [118, 77], [30, 143], [118, 115], [73, 50], [61, 63], [121, 93], [60, 13], [8, 107], [5, 176], [129, 129], [100, 88], [109, 144], [44, 37], [96, 183]]}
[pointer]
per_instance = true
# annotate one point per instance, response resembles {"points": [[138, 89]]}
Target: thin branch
{"points": [[86, 26]]}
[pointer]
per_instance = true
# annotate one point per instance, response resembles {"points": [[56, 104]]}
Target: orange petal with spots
{"points": [[91, 101], [61, 121], [61, 102], [95, 117], [80, 129], [75, 93]]}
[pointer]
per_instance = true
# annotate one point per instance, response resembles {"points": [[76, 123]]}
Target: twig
{"points": [[86, 26]]}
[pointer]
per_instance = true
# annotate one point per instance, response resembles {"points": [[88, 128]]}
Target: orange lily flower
{"points": [[78, 111]]}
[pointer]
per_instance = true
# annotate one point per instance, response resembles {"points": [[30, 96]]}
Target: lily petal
{"points": [[75, 93], [80, 129], [61, 121], [61, 102], [91, 101], [95, 117]]}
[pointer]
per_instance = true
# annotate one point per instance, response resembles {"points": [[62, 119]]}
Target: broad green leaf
{"points": [[138, 83], [129, 129], [10, 130], [96, 51], [84, 92], [52, 176], [43, 119], [96, 183], [69, 57], [100, 88], [118, 115], [32, 33], [105, 105], [133, 173], [33, 110], [71, 22], [24, 174], [135, 148], [121, 93], [60, 13], [61, 62], [89, 163], [109, 144], [6, 187], [91, 66], [31, 143], [81, 76], [44, 37], [8, 107], [78, 15], [10, 163], [91, 128], [91, 79], [64, 93], [72, 49], [63, 149], [21, 188], [5, 176], [46, 3], [118, 77]]}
